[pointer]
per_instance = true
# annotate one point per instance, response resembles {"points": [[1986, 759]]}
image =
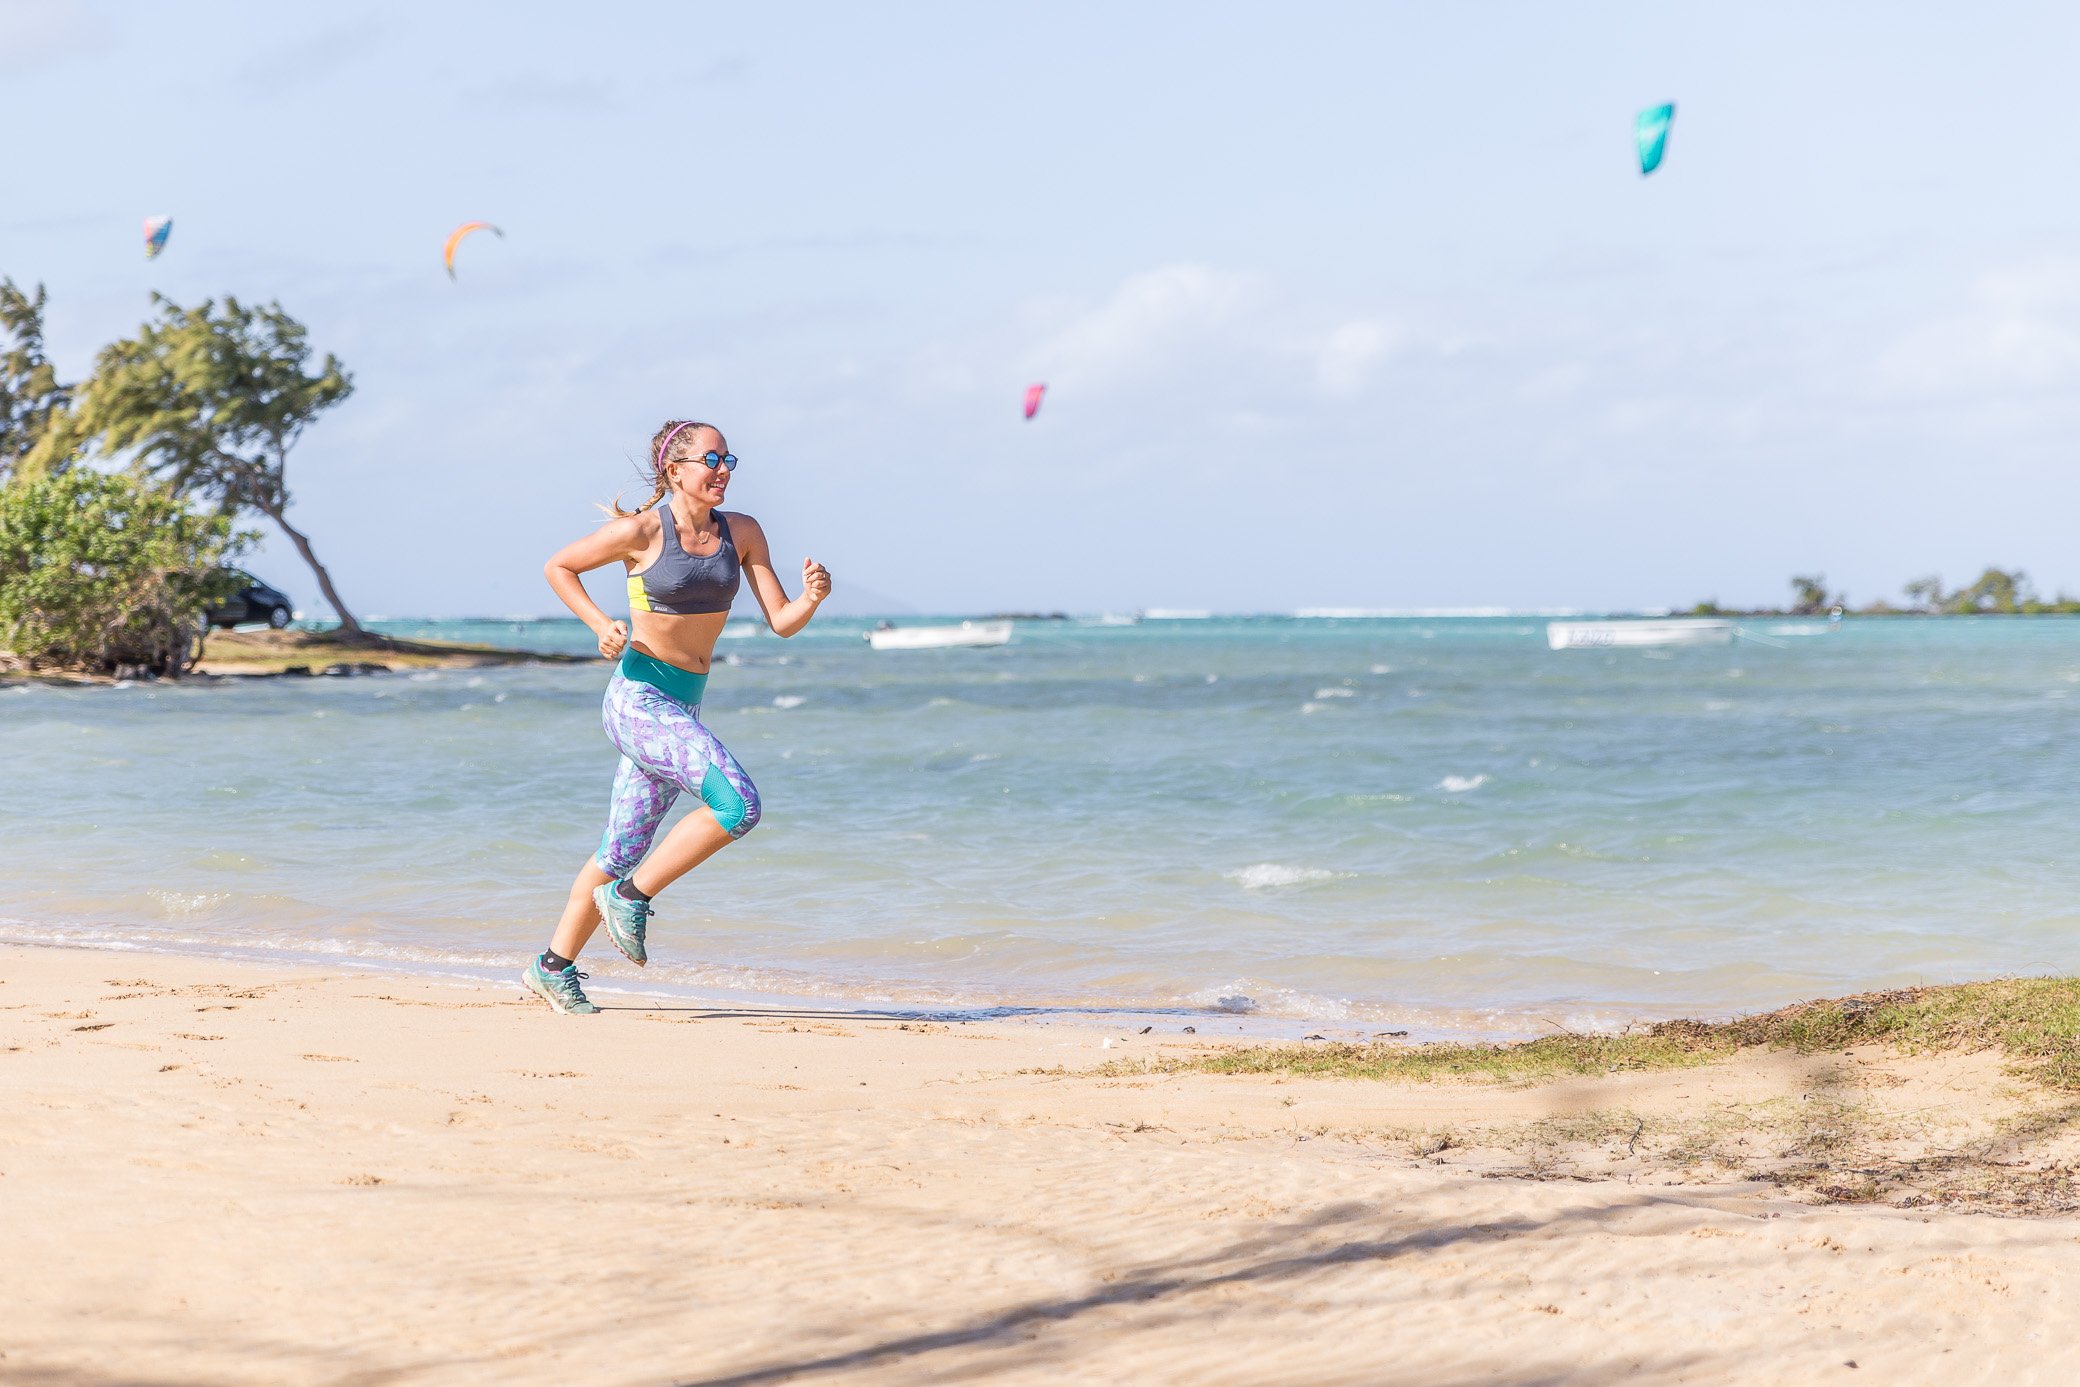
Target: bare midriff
{"points": [[685, 641]]}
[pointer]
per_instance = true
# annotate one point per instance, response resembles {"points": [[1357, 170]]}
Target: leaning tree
{"points": [[209, 401]]}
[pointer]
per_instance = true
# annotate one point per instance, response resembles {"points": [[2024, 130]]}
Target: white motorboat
{"points": [[1609, 635], [940, 637]]}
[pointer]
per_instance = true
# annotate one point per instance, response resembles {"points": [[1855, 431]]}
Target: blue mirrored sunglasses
{"points": [[712, 460]]}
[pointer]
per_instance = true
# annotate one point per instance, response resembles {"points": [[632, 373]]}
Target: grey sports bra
{"points": [[681, 584]]}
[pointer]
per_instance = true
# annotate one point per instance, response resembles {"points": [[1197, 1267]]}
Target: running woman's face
{"points": [[693, 479]]}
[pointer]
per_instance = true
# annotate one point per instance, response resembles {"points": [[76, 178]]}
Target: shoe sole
{"points": [[554, 1005], [607, 920]]}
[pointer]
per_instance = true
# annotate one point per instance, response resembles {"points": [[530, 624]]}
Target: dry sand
{"points": [[219, 1174]]}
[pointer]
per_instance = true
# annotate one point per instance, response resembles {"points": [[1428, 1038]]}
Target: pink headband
{"points": [[667, 445]]}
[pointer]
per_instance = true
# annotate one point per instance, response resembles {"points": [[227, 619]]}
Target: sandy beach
{"points": [[242, 1174]]}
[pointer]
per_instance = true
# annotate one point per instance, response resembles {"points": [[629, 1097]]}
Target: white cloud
{"points": [[1242, 335], [1555, 382], [33, 35], [1148, 325], [2019, 334], [1345, 358]]}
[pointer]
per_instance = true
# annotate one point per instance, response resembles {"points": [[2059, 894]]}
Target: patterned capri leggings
{"points": [[665, 749]]}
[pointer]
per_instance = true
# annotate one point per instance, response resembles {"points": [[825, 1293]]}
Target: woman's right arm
{"points": [[617, 539]]}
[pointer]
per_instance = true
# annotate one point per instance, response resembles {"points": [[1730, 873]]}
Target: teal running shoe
{"points": [[559, 990], [626, 921]]}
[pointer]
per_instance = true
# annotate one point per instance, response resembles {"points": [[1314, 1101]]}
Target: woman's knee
{"points": [[734, 803]]}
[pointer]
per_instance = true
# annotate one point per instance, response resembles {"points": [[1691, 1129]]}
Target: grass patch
{"points": [[2035, 1021], [1528, 1061]]}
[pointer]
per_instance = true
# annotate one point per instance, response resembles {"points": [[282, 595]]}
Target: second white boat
{"points": [[939, 637]]}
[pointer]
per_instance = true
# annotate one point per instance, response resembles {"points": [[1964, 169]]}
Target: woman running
{"points": [[685, 558]]}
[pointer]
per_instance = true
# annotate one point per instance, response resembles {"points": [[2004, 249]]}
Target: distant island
{"points": [[1997, 592]]}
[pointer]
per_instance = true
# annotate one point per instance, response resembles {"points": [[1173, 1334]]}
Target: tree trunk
{"points": [[348, 627]]}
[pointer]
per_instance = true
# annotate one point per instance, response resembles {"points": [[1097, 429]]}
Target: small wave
{"points": [[1269, 874], [1460, 784], [181, 905], [789, 701], [1335, 693], [1382, 669]]}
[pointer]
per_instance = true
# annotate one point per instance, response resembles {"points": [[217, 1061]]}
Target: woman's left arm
{"points": [[784, 614]]}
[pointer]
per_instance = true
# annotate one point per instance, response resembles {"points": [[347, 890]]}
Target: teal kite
{"points": [[1651, 130]]}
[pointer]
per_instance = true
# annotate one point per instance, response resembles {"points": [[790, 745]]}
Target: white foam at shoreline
{"points": [[1269, 874]]}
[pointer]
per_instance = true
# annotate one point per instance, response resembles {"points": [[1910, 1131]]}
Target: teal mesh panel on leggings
{"points": [[665, 750]]}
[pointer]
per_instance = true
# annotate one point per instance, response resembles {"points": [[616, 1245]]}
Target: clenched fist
{"points": [[816, 580], [613, 639]]}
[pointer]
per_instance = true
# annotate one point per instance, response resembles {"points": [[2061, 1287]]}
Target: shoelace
{"points": [[567, 984]]}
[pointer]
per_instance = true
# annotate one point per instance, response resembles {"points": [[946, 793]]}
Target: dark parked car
{"points": [[254, 601]]}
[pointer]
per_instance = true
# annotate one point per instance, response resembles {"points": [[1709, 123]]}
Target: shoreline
{"points": [[229, 655], [231, 1174], [1210, 1021], [921, 1001]]}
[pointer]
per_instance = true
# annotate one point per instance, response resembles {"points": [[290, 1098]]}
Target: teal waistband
{"points": [[682, 684]]}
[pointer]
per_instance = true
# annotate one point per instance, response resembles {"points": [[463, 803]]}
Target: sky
{"points": [[1339, 305]]}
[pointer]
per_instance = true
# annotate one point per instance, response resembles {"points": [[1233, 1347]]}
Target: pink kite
{"points": [[1033, 394]]}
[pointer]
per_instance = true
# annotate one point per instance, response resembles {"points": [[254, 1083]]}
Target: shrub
{"points": [[100, 571]]}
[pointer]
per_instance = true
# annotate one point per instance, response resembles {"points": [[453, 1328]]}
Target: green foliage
{"points": [[1925, 594], [1995, 591], [209, 401], [30, 395], [103, 572], [1809, 595]]}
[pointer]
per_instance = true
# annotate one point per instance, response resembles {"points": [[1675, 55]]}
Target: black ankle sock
{"points": [[626, 889], [553, 962]]}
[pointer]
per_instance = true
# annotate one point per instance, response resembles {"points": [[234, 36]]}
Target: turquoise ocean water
{"points": [[1422, 822]]}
